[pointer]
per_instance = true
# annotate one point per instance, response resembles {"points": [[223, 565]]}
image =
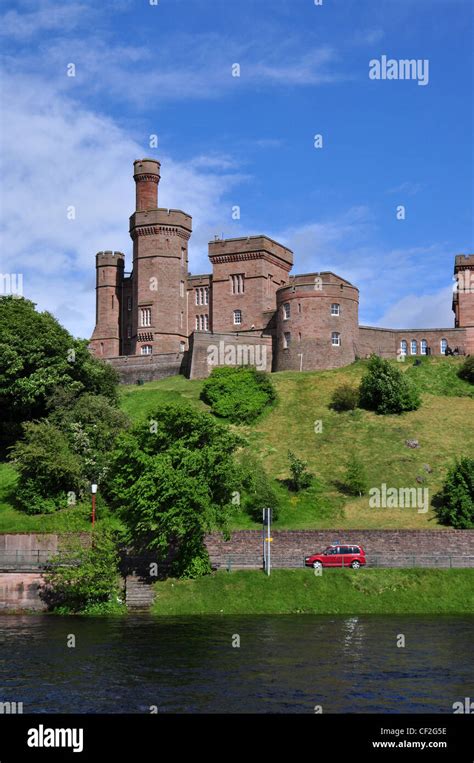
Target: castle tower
{"points": [[160, 267], [463, 298], [106, 339]]}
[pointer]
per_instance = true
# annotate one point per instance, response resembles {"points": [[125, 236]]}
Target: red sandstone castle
{"points": [[160, 320]]}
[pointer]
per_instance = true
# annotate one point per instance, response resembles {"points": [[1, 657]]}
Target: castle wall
{"points": [[135, 368], [386, 342], [207, 351]]}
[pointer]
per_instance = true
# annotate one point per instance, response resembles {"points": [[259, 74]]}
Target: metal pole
{"points": [[269, 541], [93, 509], [263, 540]]}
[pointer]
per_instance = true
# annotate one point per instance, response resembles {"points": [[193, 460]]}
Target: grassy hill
{"points": [[443, 426]]}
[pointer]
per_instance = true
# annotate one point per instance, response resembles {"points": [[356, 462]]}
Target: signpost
{"points": [[267, 539]]}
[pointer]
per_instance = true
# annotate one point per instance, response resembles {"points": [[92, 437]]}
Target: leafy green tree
{"points": [[301, 478], [37, 357], [172, 480], [238, 393], [454, 504], [84, 579], [355, 479], [384, 389], [258, 491], [467, 369]]}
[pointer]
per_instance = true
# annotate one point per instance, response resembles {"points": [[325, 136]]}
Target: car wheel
{"points": [[355, 565], [317, 565]]}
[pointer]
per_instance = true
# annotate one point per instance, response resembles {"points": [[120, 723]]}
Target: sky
{"points": [[167, 68]]}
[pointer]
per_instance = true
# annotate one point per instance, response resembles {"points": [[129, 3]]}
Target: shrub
{"points": [[257, 492], [355, 480], [467, 369], [455, 501], [238, 393], [84, 579], [345, 398], [301, 478], [384, 389]]}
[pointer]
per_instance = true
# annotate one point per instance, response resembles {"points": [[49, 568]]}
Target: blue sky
{"points": [[223, 141]]}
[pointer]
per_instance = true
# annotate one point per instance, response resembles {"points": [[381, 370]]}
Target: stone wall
{"points": [[289, 547], [20, 590], [209, 350], [131, 368], [386, 342]]}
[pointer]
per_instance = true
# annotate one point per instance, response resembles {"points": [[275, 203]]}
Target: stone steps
{"points": [[139, 594]]}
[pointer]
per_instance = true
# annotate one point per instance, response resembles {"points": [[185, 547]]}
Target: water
{"points": [[188, 665]]}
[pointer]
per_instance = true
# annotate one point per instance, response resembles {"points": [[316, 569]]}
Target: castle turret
{"points": [[160, 267], [106, 339], [463, 298]]}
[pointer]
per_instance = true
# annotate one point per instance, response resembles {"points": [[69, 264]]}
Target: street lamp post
{"points": [[93, 491]]}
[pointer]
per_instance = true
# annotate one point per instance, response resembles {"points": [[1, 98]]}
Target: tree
{"points": [[238, 393], [384, 389], [172, 480], [301, 478], [454, 504], [258, 492], [37, 357], [355, 479], [84, 579], [467, 369]]}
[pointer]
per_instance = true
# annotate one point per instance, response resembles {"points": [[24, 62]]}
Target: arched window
{"points": [[146, 349], [286, 311], [423, 346], [336, 339], [237, 317], [335, 309], [443, 346], [404, 346], [286, 340], [413, 347]]}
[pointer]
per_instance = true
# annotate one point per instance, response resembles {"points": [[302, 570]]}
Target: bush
{"points": [[238, 393], [455, 502], [355, 480], [467, 369], [345, 398], [384, 389], [258, 493], [84, 579], [301, 478]]}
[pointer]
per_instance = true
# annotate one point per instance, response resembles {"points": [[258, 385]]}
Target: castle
{"points": [[160, 320]]}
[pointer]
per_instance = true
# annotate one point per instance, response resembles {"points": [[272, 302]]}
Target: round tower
{"points": [[146, 173], [107, 337], [317, 323]]}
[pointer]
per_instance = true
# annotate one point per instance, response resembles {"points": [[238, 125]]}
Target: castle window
{"points": [[206, 323], [237, 317], [286, 311], [201, 322], [423, 346], [182, 346], [237, 283], [145, 316], [299, 336], [197, 322], [112, 301], [299, 307], [181, 288], [335, 309], [443, 346], [269, 283], [336, 339], [206, 295], [181, 320], [183, 255], [413, 347], [286, 340], [146, 349], [404, 347], [129, 303]]}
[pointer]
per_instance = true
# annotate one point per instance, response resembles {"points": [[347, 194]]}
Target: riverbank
{"points": [[339, 592]]}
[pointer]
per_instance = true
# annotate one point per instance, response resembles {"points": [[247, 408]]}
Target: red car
{"points": [[341, 555]]}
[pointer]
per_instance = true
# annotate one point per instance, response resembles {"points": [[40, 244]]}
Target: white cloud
{"points": [[420, 311], [57, 154]]}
